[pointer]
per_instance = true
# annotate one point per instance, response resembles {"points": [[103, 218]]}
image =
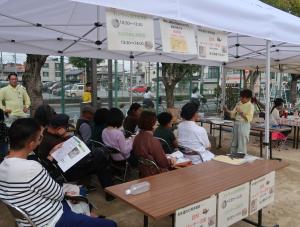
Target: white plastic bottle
{"points": [[138, 188]]}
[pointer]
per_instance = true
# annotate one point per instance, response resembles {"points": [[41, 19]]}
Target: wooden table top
{"points": [[182, 187]]}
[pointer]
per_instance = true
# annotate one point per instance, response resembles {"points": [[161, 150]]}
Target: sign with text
{"points": [[262, 192], [212, 45], [233, 205], [177, 37], [129, 31], [202, 214]]}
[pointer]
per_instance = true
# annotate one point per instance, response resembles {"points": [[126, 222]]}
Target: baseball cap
{"points": [[60, 120]]}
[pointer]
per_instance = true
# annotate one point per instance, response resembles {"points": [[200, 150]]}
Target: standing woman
{"points": [[148, 103]]}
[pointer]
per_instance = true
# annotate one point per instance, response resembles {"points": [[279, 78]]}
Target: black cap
{"points": [[60, 120]]}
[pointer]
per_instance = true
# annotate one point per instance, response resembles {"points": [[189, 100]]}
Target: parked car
{"points": [[138, 89], [76, 91], [47, 85], [57, 91]]}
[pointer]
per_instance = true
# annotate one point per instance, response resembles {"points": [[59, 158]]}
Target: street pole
{"points": [[62, 79], [130, 79], [116, 83], [110, 95], [94, 82], [202, 80]]}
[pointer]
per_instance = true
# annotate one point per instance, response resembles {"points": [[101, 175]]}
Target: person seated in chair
{"points": [[84, 124], [26, 184], [100, 123], [164, 132], [94, 163], [131, 121], [148, 147], [113, 137], [193, 136]]}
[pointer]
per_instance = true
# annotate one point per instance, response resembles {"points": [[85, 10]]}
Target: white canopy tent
{"points": [[62, 27]]}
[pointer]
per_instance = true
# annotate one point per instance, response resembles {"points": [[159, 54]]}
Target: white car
{"points": [[76, 91]]}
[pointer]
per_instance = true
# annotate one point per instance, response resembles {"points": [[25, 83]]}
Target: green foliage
{"points": [[290, 6], [81, 63]]}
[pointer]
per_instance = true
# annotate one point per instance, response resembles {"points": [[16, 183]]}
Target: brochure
{"points": [[71, 152]]}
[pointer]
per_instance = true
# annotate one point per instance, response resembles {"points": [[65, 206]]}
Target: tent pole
{"points": [[62, 79], [267, 101], [157, 87], [94, 82], [130, 82], [223, 86]]}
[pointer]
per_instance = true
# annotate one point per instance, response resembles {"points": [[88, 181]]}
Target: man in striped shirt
{"points": [[27, 185]]}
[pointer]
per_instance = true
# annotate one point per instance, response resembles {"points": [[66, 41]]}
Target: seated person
{"points": [[148, 147], [100, 123], [276, 111], [84, 124], [27, 185], [131, 121], [94, 163], [164, 131], [193, 136], [43, 114], [114, 137]]}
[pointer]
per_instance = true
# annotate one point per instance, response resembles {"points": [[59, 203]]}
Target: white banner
{"points": [[177, 37], [212, 45], [202, 214], [129, 31], [233, 205], [262, 192]]}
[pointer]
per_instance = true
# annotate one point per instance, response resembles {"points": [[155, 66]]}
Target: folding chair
{"points": [[149, 163], [17, 213], [189, 151], [165, 145], [278, 140], [118, 167]]}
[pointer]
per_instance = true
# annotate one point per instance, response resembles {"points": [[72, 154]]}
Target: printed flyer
{"points": [[201, 214], [129, 31]]}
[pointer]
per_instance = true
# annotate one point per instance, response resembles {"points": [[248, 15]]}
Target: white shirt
{"points": [[195, 137], [27, 185], [148, 95], [196, 95], [275, 116]]}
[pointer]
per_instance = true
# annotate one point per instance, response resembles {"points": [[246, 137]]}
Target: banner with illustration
{"points": [[178, 37], [129, 31], [233, 205], [212, 45], [201, 214], [262, 192]]}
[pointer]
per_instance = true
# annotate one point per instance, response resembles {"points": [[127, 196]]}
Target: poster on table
{"points": [[129, 31], [178, 37], [212, 45], [262, 192], [233, 205], [201, 214]]}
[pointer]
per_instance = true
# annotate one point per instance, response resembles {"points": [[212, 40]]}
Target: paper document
{"points": [[229, 160], [72, 151]]}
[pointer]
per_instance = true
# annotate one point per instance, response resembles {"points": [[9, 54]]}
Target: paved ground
{"points": [[285, 210]]}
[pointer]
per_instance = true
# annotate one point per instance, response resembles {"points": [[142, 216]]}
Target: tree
{"points": [[172, 74], [293, 7], [295, 78], [250, 79], [32, 79]]}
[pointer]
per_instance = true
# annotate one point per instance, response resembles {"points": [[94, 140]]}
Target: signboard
{"points": [[233, 205], [177, 37], [202, 214], [129, 31], [262, 192], [212, 45]]}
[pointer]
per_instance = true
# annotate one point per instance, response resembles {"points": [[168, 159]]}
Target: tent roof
{"points": [[63, 27]]}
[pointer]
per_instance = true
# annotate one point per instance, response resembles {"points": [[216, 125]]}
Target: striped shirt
{"points": [[27, 185]]}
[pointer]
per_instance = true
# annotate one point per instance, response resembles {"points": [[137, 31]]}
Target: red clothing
{"points": [[146, 146]]}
